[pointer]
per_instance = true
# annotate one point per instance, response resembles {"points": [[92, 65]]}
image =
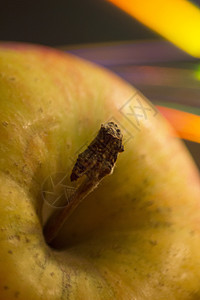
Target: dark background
{"points": [[66, 22]]}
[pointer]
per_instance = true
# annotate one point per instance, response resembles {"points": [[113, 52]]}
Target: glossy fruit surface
{"points": [[137, 236]]}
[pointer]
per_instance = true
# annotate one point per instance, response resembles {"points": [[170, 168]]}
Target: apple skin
{"points": [[137, 236]]}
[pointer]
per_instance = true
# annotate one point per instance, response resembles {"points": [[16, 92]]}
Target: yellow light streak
{"points": [[176, 20]]}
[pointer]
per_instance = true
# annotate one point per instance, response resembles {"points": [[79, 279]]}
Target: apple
{"points": [[137, 235]]}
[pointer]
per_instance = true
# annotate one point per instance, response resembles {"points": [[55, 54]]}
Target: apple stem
{"points": [[95, 162]]}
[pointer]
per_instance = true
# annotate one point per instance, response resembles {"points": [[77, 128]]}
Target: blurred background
{"points": [[68, 22], [128, 38]]}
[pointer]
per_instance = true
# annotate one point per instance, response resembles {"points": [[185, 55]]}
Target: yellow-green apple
{"points": [[137, 235]]}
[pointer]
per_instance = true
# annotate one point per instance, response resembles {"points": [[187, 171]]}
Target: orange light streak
{"points": [[187, 125]]}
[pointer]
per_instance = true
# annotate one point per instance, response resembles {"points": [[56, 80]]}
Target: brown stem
{"points": [[95, 162], [57, 220]]}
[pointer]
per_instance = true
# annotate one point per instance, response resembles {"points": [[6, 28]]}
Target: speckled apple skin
{"points": [[137, 236]]}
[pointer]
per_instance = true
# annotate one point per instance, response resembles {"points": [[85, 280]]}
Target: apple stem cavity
{"points": [[97, 161]]}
